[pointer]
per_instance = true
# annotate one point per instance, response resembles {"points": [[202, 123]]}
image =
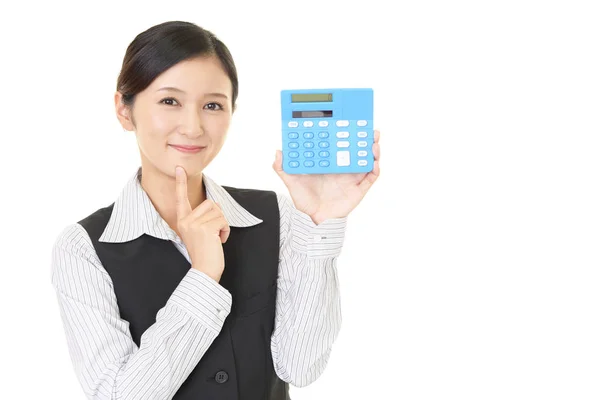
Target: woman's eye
{"points": [[169, 101], [214, 106]]}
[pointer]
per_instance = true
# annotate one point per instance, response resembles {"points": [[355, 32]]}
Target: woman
{"points": [[183, 288]]}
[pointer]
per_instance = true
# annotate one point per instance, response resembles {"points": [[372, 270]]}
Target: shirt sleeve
{"points": [[308, 311], [107, 362]]}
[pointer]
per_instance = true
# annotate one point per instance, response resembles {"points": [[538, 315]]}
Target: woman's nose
{"points": [[192, 125]]}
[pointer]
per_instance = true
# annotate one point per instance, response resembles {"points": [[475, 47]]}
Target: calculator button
{"points": [[343, 158], [362, 143], [293, 145], [293, 154], [308, 135], [323, 123], [323, 144], [362, 163], [342, 134], [293, 164], [309, 154], [343, 143], [293, 124], [293, 135], [361, 122], [324, 163], [342, 123], [324, 154], [309, 145], [323, 135], [309, 163], [362, 134], [308, 124], [362, 153]]}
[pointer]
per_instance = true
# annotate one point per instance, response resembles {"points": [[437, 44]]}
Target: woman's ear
{"points": [[123, 113]]}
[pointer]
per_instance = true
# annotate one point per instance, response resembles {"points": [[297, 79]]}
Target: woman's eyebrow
{"points": [[175, 89], [171, 88]]}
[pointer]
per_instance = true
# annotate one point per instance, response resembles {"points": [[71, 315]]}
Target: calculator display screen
{"points": [[311, 97], [312, 114]]}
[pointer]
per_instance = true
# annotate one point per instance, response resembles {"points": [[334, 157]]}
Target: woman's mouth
{"points": [[187, 149]]}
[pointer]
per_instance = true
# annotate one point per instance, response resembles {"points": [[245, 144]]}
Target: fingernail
{"points": [[178, 170]]}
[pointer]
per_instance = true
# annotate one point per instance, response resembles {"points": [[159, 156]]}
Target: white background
{"points": [[470, 271]]}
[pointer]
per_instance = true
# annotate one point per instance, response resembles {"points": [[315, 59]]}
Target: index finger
{"points": [[183, 203]]}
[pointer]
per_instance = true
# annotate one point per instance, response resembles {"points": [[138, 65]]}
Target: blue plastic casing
{"points": [[327, 131]]}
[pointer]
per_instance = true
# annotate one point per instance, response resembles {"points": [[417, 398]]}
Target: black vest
{"points": [[145, 272]]}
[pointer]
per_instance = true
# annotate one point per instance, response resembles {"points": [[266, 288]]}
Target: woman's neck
{"points": [[161, 191]]}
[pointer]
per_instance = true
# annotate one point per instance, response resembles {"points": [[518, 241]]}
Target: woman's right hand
{"points": [[203, 230]]}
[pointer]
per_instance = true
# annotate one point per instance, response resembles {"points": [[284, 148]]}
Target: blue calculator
{"points": [[327, 131]]}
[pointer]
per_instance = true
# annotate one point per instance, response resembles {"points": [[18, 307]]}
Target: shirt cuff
{"points": [[203, 298], [317, 241]]}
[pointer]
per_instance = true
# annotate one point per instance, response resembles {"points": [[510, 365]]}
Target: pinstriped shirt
{"points": [[106, 360]]}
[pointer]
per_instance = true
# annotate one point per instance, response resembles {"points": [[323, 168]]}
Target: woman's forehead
{"points": [[199, 75]]}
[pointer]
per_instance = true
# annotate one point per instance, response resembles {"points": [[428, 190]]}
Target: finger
{"points": [[224, 233], [277, 164], [376, 135], [205, 211], [183, 204], [221, 225], [376, 151], [370, 178]]}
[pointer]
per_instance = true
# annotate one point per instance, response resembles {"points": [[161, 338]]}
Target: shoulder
{"points": [[271, 196], [98, 216], [73, 245], [249, 193], [256, 201], [73, 256]]}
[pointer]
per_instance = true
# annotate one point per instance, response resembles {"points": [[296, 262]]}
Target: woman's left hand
{"points": [[324, 196]]}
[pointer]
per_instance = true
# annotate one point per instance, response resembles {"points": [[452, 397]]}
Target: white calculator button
{"points": [[343, 134], [342, 123], [323, 123], [362, 134], [362, 153], [343, 158], [293, 124], [361, 122], [362, 163], [343, 143], [308, 124], [362, 143]]}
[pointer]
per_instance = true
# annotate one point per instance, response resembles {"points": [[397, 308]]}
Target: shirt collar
{"points": [[134, 214]]}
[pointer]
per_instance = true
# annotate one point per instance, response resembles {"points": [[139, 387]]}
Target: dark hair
{"points": [[160, 47]]}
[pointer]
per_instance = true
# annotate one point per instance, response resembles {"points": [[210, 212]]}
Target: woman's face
{"points": [[188, 105]]}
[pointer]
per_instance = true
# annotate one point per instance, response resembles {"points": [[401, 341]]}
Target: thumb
{"points": [[278, 164]]}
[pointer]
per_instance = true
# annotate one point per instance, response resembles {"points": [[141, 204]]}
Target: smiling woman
{"points": [[183, 288]]}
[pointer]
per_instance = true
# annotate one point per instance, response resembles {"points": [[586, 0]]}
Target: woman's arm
{"points": [[308, 313], [108, 363]]}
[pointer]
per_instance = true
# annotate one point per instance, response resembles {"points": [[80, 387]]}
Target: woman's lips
{"points": [[187, 149]]}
